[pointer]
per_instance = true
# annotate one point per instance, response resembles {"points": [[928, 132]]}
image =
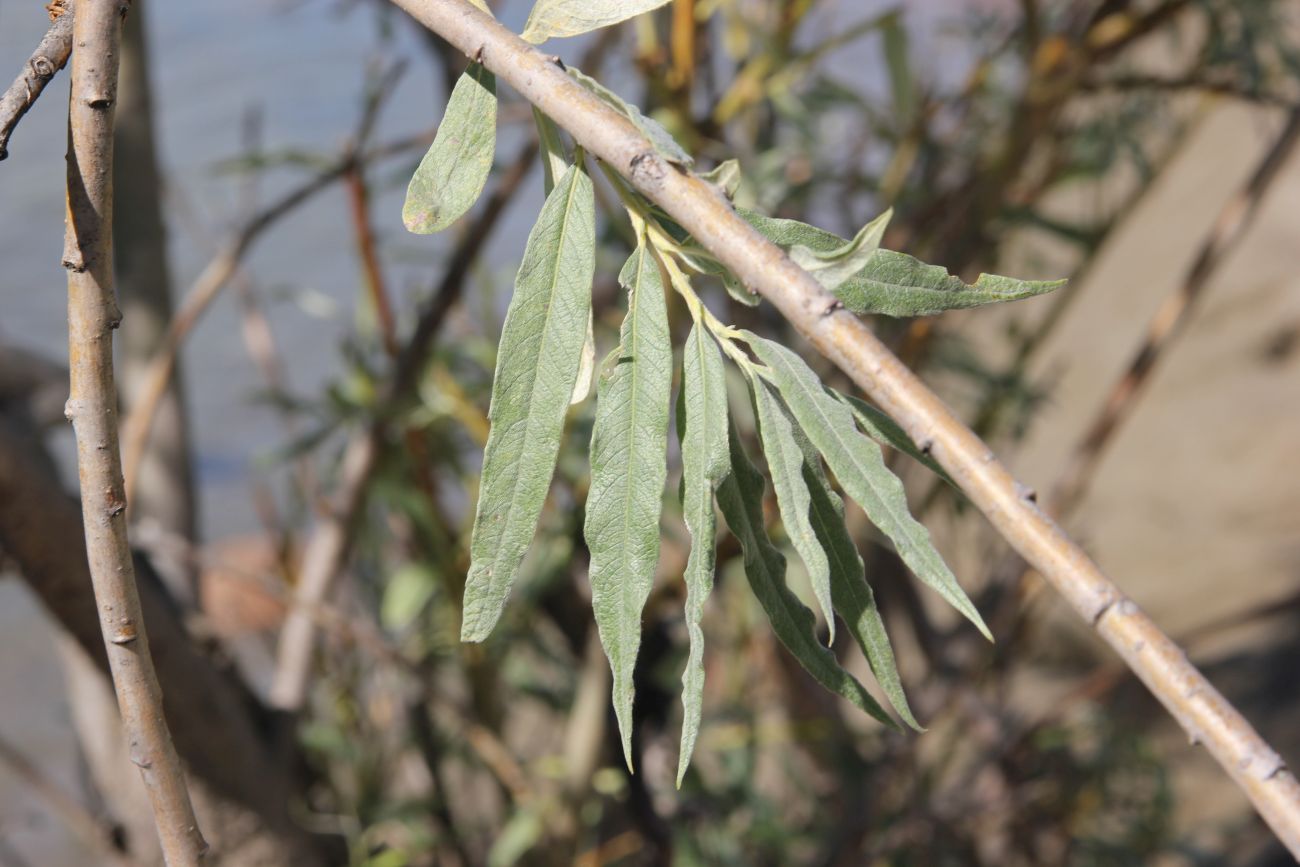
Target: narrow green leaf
{"points": [[481, 5], [629, 464], [833, 267], [741, 500], [884, 430], [895, 284], [706, 461], [555, 161], [537, 365], [785, 464], [726, 177], [860, 467], [454, 171], [552, 18], [662, 140], [586, 364], [849, 588]]}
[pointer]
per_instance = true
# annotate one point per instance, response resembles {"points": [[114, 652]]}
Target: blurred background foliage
{"points": [[1019, 150]]}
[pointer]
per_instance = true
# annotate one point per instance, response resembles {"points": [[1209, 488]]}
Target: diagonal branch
{"points": [[48, 58], [846, 340], [92, 409]]}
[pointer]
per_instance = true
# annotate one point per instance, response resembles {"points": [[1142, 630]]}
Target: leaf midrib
{"points": [[502, 555]]}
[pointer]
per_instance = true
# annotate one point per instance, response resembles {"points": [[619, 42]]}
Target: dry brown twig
{"points": [[846, 340], [48, 58], [92, 409]]}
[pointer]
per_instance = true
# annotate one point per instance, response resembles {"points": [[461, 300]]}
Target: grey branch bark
{"points": [[847, 341], [92, 409], [48, 58]]}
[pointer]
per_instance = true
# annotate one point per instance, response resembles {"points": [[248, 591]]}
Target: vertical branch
{"points": [[92, 409]]}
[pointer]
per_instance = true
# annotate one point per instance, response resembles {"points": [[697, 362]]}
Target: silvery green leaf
{"points": [[662, 141], [481, 5], [849, 588], [552, 18], [895, 284], [629, 464], [860, 467], [741, 500], [453, 173], [706, 461], [537, 365], [586, 364], [739, 291], [884, 430], [555, 161], [833, 267], [785, 465], [726, 177]]}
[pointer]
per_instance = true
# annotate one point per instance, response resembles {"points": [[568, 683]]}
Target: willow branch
{"points": [[49, 57], [92, 409], [846, 340]]}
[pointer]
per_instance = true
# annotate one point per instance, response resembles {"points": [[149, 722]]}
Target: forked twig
{"points": [[92, 409], [48, 58], [846, 340]]}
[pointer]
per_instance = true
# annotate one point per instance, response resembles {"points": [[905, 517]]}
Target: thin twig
{"points": [[214, 277], [846, 340], [1190, 83], [96, 834], [92, 409], [48, 58]]}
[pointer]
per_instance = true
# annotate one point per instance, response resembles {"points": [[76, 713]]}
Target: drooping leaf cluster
{"points": [[804, 428]]}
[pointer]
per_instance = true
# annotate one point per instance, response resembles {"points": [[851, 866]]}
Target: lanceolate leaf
{"points": [[833, 267], [726, 177], [551, 18], [629, 465], [785, 463], [660, 138], [537, 365], [895, 284], [741, 499], [860, 467], [849, 588], [554, 159], [452, 174], [706, 461], [586, 365], [884, 430]]}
